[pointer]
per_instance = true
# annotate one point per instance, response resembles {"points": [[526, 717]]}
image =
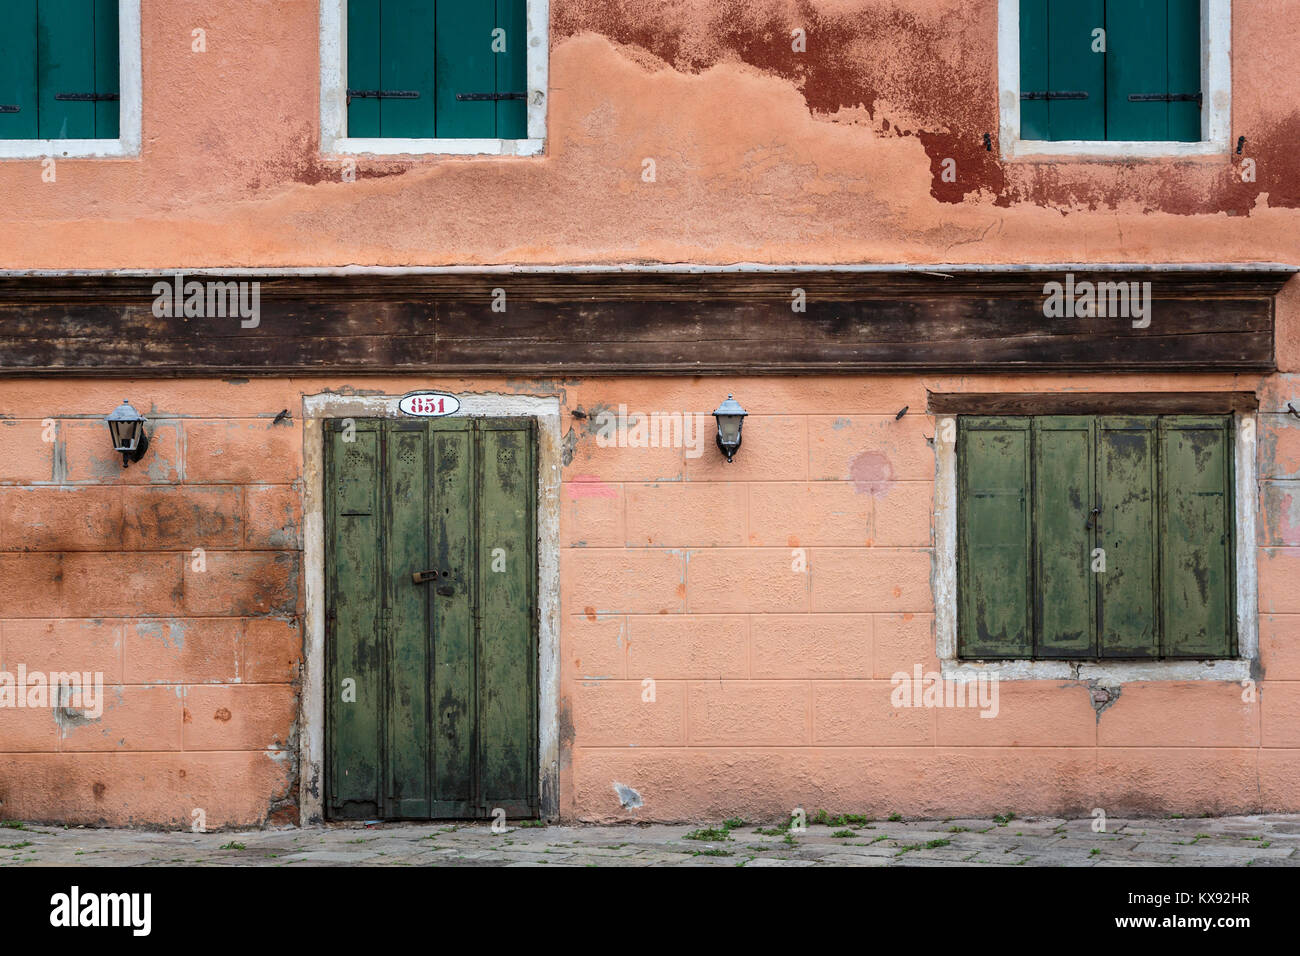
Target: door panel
{"points": [[431, 576]]}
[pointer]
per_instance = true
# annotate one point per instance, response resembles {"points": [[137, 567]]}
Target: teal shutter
{"points": [[993, 540], [430, 52], [1184, 46], [1062, 82], [1034, 122], [406, 42], [1137, 64], [1064, 537], [107, 71], [363, 67], [512, 70], [1144, 88], [1197, 561], [466, 64], [18, 116]]}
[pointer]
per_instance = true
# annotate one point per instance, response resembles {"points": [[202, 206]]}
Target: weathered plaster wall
{"points": [[772, 684], [832, 155]]}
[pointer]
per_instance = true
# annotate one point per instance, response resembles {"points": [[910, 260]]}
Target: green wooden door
{"points": [[431, 684]]}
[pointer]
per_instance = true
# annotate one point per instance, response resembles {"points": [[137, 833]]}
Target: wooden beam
{"points": [[647, 323]]}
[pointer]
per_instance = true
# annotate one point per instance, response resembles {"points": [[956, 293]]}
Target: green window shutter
{"points": [[1062, 82], [1064, 537], [436, 49], [1196, 537], [1153, 50], [466, 64], [1126, 485], [390, 51], [407, 39], [1033, 69], [18, 72], [65, 64], [1137, 62], [107, 72], [1184, 44], [512, 70], [363, 67], [993, 538]]}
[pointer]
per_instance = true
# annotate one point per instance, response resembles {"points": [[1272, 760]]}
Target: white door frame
{"points": [[311, 718]]}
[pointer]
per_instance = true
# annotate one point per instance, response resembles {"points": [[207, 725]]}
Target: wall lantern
{"points": [[126, 425], [730, 417]]}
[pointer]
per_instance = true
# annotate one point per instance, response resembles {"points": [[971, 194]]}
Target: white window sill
{"points": [[1105, 673], [384, 146], [67, 148], [1110, 149]]}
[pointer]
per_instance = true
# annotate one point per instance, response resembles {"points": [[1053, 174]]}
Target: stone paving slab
{"points": [[1255, 840]]}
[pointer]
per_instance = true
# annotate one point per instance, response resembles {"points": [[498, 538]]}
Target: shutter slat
{"points": [[65, 63], [1126, 486], [107, 74], [407, 40], [363, 66], [512, 70], [465, 64], [1196, 564], [993, 538], [1184, 45], [18, 71], [1073, 67], [1063, 540], [1137, 63]]}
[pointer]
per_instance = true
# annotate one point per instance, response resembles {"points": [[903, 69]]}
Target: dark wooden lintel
{"points": [[638, 323], [1091, 403]]}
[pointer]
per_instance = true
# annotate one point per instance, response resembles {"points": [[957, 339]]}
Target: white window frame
{"points": [[1106, 673], [333, 96], [1216, 86], [129, 105]]}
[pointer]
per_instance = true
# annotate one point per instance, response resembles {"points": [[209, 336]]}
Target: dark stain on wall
{"points": [[939, 67]]}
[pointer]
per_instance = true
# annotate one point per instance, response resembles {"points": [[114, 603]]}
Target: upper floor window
{"points": [[70, 78], [1114, 77], [433, 76]]}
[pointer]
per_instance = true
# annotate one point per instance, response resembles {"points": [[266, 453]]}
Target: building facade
{"points": [[427, 308]]}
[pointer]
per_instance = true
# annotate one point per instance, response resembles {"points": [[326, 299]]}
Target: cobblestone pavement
{"points": [[1270, 840]]}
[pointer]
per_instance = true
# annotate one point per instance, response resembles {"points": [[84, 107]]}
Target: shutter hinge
{"points": [[4, 108], [473, 97], [88, 97], [1165, 98], [1055, 95], [383, 95]]}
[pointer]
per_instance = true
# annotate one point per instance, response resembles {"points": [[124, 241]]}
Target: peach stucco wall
{"points": [[772, 684], [763, 154]]}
